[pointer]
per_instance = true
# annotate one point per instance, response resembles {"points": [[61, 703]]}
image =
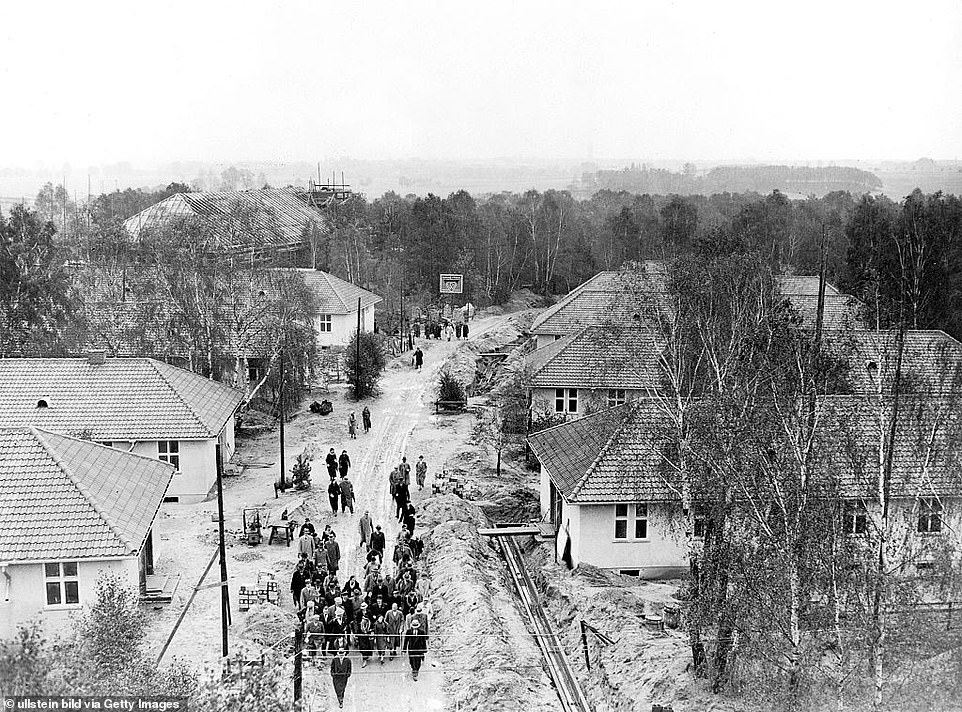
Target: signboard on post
{"points": [[452, 283]]}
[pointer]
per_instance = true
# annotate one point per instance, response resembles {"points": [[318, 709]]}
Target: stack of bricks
{"points": [[267, 591], [246, 597]]}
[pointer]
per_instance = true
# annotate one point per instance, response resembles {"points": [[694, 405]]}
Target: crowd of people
{"points": [[441, 330], [380, 612]]}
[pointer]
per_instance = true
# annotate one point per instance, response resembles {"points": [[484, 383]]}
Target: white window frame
{"points": [[325, 323], [169, 451], [854, 517], [930, 513], [632, 514], [566, 400], [61, 579], [616, 397]]}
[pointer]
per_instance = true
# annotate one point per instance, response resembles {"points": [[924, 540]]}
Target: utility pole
{"points": [[298, 662], [357, 353], [282, 484], [224, 594]]}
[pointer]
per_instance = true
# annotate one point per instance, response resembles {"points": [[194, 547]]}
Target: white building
{"points": [[593, 369], [614, 499], [136, 405], [336, 307], [69, 510]]}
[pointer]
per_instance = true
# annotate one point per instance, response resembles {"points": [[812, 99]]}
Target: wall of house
{"points": [[198, 466], [23, 594], [343, 327], [662, 554], [589, 400]]}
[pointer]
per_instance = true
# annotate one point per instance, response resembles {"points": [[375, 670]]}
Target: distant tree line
{"points": [[733, 179]]}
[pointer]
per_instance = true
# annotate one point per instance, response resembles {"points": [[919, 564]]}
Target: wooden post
{"points": [[282, 483], [584, 644], [357, 354], [298, 661], [224, 594]]}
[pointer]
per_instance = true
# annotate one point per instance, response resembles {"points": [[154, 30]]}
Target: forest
{"points": [[550, 241]]}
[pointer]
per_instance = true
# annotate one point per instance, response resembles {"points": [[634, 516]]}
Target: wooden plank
{"points": [[510, 531]]}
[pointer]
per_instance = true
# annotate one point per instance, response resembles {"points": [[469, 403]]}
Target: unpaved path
{"points": [[188, 536]]}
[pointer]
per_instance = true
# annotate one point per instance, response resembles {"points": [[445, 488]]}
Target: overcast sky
{"points": [[102, 82]]}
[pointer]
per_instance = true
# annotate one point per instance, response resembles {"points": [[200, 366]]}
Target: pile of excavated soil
{"points": [[491, 661], [463, 363], [265, 624], [641, 667]]}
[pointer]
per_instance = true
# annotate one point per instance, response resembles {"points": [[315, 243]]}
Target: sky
{"points": [[94, 83]]}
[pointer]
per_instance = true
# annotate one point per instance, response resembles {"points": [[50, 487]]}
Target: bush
{"points": [[364, 368], [301, 472], [450, 388]]}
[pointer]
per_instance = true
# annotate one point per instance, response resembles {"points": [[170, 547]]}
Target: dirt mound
{"points": [[513, 504], [492, 662], [449, 507], [265, 624], [642, 667]]}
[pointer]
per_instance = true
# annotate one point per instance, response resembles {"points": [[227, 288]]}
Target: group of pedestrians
{"points": [[442, 330], [379, 613], [352, 423], [340, 490]]}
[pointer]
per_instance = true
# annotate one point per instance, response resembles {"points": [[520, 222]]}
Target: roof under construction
{"points": [[269, 219]]}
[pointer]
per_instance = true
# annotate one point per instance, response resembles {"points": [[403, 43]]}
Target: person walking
{"points": [[421, 471], [378, 542], [331, 461], [457, 330], [464, 331], [305, 544], [347, 495], [394, 620], [365, 636], [366, 526], [416, 645], [298, 581], [332, 554], [405, 469], [401, 497], [418, 359], [314, 631], [409, 519], [366, 418], [340, 674], [380, 637], [352, 425], [344, 463], [334, 495]]}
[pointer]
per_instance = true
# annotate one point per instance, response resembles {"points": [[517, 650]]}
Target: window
{"points": [[700, 521], [930, 516], [565, 400], [558, 337], [169, 451], [634, 514], [854, 517], [324, 322], [61, 582], [107, 443], [616, 396], [41, 403]]}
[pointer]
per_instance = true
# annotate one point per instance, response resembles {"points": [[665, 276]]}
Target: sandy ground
{"points": [[186, 536]]}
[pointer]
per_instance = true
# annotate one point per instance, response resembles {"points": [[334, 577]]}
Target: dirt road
{"points": [[397, 414]]}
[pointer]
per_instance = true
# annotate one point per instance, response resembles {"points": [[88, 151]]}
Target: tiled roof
{"points": [[270, 218], [618, 296], [122, 399], [931, 361], [599, 357], [569, 450], [928, 455], [804, 285], [619, 455], [66, 499], [334, 295], [608, 297]]}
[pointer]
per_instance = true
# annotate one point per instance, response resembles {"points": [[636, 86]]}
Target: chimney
{"points": [[97, 358]]}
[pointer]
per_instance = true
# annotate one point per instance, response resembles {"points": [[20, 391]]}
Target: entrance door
{"points": [[555, 503]]}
